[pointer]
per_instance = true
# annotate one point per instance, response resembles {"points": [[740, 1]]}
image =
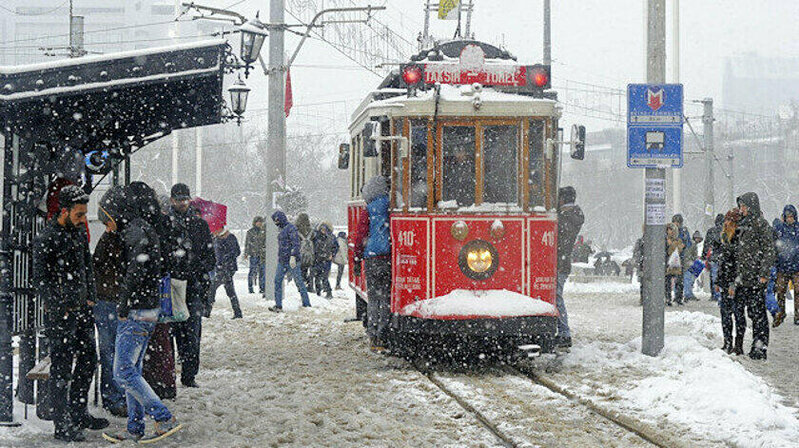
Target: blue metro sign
{"points": [[654, 125]]}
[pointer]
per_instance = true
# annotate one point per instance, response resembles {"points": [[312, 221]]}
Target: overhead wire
{"points": [[44, 13]]}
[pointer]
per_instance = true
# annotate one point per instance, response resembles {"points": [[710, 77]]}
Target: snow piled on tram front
{"points": [[488, 303]]}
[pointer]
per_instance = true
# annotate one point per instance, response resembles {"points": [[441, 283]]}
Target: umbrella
{"points": [[213, 213]]}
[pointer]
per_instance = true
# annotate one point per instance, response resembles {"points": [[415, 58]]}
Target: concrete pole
{"points": [[198, 159], [655, 202], [547, 33], [276, 138], [175, 157], [731, 175], [675, 78], [426, 33], [710, 202]]}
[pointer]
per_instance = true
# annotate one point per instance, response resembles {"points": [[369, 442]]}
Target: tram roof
{"points": [[454, 101]]}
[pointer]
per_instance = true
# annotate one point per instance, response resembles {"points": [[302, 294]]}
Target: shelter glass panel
{"points": [[500, 152], [458, 157]]}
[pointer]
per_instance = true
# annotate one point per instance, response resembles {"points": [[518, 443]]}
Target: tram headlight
{"points": [[478, 260]]}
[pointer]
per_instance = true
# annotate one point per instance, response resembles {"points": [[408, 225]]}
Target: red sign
{"points": [[490, 75], [655, 100], [410, 245]]}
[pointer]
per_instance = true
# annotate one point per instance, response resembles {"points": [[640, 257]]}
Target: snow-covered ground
{"points": [[306, 378]]}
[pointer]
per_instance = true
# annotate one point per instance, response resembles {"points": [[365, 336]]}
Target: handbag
{"points": [[173, 300], [674, 260]]}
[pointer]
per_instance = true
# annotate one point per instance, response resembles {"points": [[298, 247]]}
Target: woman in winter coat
{"points": [[787, 234], [341, 257], [372, 243], [674, 279], [729, 305], [227, 251], [325, 249]]}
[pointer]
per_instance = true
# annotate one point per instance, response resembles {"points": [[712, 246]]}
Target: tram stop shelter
{"points": [[53, 115]]}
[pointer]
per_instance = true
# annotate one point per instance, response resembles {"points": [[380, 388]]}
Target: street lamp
{"points": [[238, 99], [253, 32]]}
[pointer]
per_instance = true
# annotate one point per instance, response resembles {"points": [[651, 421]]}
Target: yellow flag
{"points": [[449, 9]]}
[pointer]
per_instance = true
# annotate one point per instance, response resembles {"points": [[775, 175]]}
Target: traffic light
{"points": [[412, 76], [539, 76]]}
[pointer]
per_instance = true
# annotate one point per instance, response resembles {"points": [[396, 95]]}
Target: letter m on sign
{"points": [[448, 9]]}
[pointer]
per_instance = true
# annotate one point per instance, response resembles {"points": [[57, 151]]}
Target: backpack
{"points": [[306, 252]]}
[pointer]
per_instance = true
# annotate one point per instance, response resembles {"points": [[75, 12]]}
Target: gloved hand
{"points": [[293, 262]]}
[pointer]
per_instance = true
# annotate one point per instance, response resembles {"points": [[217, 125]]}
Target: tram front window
{"points": [[459, 164], [500, 149], [418, 164], [536, 167]]}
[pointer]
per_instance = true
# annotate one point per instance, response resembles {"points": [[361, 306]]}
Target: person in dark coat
{"points": [[730, 306], [570, 221], [786, 232], [227, 250], [755, 254], [288, 254], [192, 259], [158, 368], [711, 250], [64, 277], [307, 252], [325, 249], [139, 309], [255, 250], [372, 244], [108, 268]]}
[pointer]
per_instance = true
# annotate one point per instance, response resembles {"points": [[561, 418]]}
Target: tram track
{"points": [[520, 418]]}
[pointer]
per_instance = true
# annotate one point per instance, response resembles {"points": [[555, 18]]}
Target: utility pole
{"points": [[655, 229], [547, 33], [675, 78], [198, 160], [276, 132], [426, 33], [175, 141], [731, 176], [710, 203]]}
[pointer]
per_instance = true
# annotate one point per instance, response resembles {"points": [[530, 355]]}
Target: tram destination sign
{"points": [[654, 125]]}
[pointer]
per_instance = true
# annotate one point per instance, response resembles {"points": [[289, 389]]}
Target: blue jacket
{"points": [[288, 240], [685, 236], [379, 243], [787, 236]]}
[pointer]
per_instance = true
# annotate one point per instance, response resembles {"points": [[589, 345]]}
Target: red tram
{"points": [[462, 132]]}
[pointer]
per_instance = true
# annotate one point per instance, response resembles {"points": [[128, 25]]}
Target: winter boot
{"points": [[121, 436], [727, 346], [276, 309], [778, 318], [757, 354], [329, 295], [739, 346], [162, 431], [94, 423]]}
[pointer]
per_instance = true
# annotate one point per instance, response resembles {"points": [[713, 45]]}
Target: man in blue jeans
{"points": [[570, 221], [139, 308], [288, 253], [254, 249]]}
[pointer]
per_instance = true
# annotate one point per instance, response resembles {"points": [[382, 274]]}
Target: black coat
{"points": [[255, 242], [139, 288], [755, 252], [109, 266], [325, 245], [712, 243], [191, 249], [227, 252], [726, 261], [570, 221], [62, 269]]}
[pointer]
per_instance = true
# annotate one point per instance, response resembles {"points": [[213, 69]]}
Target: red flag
{"points": [[289, 96]]}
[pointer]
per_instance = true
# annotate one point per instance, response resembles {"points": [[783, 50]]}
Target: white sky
{"points": [[594, 41]]}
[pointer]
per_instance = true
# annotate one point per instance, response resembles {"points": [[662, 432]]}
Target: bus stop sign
{"points": [[654, 125]]}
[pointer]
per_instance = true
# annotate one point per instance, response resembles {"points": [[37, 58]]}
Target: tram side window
{"points": [[500, 151], [459, 164], [418, 164], [536, 181], [398, 178]]}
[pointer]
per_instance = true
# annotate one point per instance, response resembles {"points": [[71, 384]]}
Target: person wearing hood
{"points": [[570, 221], [730, 305], [255, 249], [288, 254], [684, 233], [755, 254], [372, 244], [307, 251], [108, 268], [139, 309], [227, 250], [341, 257], [690, 256], [63, 275], [787, 234], [192, 258], [325, 249], [710, 254]]}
